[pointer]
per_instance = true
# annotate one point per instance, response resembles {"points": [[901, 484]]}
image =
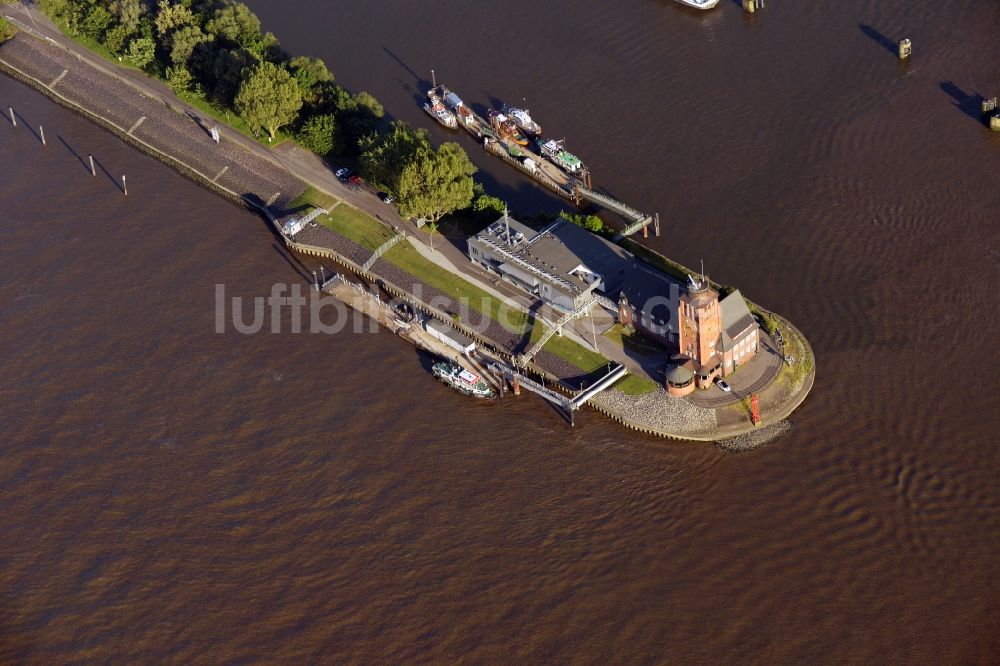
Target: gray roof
{"points": [[645, 284], [679, 375], [559, 249], [446, 330], [736, 316]]}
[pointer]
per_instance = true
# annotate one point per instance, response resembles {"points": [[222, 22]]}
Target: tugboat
{"points": [[462, 380], [436, 109], [557, 154], [505, 127], [523, 120]]}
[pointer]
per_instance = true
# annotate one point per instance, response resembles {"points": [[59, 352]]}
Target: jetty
{"points": [[576, 187]]}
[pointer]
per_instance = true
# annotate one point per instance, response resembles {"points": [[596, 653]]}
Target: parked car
{"points": [[355, 180], [386, 197], [723, 385], [343, 173]]}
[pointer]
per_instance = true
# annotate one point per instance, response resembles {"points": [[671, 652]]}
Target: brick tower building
{"points": [[700, 319]]}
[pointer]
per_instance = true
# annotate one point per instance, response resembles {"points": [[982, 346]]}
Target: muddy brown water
{"points": [[168, 493]]}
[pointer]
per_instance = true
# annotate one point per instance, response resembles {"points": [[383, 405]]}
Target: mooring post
{"points": [[657, 218], [322, 273], [315, 283], [516, 384], [13, 120], [124, 186], [93, 171], [41, 130], [904, 48], [645, 231]]}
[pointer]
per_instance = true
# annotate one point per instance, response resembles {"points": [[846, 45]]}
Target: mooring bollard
{"points": [[904, 47], [93, 171], [41, 130], [13, 120]]}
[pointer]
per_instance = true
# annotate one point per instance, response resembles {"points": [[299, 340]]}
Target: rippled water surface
{"points": [[172, 494]]}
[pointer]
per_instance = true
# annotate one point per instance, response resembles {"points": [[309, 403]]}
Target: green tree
{"points": [[128, 13], [359, 115], [179, 78], [236, 23], [310, 74], [115, 38], [170, 17], [435, 183], [484, 203], [384, 155], [227, 71], [319, 134], [268, 97], [141, 51], [96, 22], [183, 43]]}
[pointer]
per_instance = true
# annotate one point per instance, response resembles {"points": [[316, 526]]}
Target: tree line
{"points": [[215, 50]]}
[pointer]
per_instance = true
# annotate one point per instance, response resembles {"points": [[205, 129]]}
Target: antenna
{"points": [[506, 221]]}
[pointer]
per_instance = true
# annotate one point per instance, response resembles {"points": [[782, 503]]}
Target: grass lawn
{"points": [[636, 385], [346, 221], [371, 233]]}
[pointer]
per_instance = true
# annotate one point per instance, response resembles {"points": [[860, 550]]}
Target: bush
{"points": [[178, 78], [485, 203], [6, 30], [319, 134]]}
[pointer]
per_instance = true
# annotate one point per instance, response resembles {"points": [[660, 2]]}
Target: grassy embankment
{"points": [[7, 30], [370, 233]]}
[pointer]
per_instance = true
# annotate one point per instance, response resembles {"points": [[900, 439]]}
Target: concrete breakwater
{"points": [[183, 142]]}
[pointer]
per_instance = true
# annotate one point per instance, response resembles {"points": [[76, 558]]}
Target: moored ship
{"points": [[462, 380], [505, 127], [699, 4], [436, 109], [558, 155], [522, 118]]}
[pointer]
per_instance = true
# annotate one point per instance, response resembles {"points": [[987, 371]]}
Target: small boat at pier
{"points": [[699, 4], [522, 119], [462, 380], [506, 128], [558, 155], [436, 109]]}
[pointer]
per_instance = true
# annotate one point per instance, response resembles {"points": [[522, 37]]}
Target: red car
{"points": [[355, 179]]}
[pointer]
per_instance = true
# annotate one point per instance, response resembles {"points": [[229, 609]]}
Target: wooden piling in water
{"points": [[904, 48], [13, 120], [124, 186], [41, 131], [93, 171]]}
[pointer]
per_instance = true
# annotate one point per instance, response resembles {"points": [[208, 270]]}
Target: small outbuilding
{"points": [[446, 334], [679, 380]]}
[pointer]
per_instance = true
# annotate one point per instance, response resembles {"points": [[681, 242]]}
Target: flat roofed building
{"points": [[563, 265]]}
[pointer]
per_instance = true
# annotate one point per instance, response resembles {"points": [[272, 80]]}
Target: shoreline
{"points": [[599, 402]]}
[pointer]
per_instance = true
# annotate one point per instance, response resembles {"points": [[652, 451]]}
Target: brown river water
{"points": [[172, 494]]}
